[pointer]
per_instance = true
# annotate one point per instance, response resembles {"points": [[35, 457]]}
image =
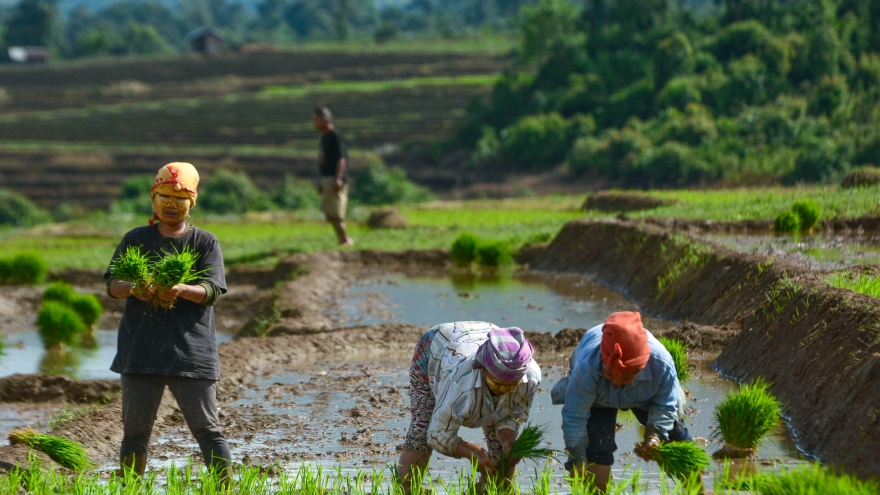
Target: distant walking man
{"points": [[332, 163]]}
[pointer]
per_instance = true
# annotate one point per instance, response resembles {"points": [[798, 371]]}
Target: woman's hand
{"points": [[172, 292], [143, 293], [645, 450], [476, 454], [507, 438]]}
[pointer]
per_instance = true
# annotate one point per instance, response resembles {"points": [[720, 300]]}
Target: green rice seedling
{"points": [[59, 291], [682, 460], [464, 249], [807, 212], [175, 268], [133, 266], [495, 252], [678, 351], [743, 419], [65, 452], [861, 283], [787, 222], [88, 307], [527, 447], [815, 480], [59, 325], [23, 269]]}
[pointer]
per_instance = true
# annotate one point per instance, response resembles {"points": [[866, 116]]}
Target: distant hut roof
{"points": [[205, 31], [25, 54]]}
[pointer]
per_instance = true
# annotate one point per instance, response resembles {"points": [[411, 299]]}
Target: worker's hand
{"points": [[144, 294], [172, 293], [476, 454], [645, 450], [507, 438], [339, 185]]}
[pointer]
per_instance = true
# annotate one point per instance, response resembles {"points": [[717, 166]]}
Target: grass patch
{"points": [[338, 86], [861, 283], [814, 480], [678, 351], [744, 418]]}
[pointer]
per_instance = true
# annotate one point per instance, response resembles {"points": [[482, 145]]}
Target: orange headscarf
{"points": [[179, 179], [624, 348]]}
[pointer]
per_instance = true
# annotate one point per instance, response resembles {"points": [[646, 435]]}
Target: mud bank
{"points": [[819, 346], [860, 224]]}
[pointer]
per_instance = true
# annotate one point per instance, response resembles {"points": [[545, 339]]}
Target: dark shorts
{"points": [[601, 429]]}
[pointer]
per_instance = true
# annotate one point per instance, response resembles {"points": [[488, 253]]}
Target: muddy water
{"points": [[821, 251], [352, 411]]}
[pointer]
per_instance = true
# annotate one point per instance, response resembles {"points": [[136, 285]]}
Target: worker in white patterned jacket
{"points": [[472, 374]]}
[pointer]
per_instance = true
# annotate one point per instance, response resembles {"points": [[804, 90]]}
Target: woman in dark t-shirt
{"points": [[174, 347]]}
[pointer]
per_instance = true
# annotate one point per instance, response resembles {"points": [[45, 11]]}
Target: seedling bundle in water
{"points": [[744, 418], [162, 274], [683, 460], [65, 452]]}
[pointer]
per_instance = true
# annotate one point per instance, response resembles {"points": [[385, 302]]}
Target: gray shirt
{"points": [[180, 341]]}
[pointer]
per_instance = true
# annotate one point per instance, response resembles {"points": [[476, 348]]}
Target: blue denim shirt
{"points": [[656, 389]]}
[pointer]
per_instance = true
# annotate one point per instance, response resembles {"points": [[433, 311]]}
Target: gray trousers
{"points": [[197, 399]]}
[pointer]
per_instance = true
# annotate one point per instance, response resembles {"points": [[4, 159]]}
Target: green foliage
{"points": [[65, 452], [386, 32], [807, 212], [227, 192], [135, 196], [376, 184], [176, 268], [494, 252], [744, 418], [674, 57], [88, 307], [30, 24], [296, 194], [861, 177], [814, 480], [536, 141], [616, 154], [527, 447], [133, 266], [830, 94], [683, 460], [488, 147], [23, 269], [549, 27], [59, 291], [673, 164], [822, 160], [464, 248], [862, 283], [787, 222], [678, 351], [635, 100], [679, 92], [59, 324], [19, 211]]}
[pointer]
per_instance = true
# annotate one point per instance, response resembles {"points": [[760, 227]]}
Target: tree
{"points": [[31, 24]]}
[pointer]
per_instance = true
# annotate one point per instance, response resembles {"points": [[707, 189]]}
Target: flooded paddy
{"points": [[821, 251]]}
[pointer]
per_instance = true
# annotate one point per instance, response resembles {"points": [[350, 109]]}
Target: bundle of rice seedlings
{"points": [[133, 266], [526, 447], [464, 248], [175, 268], [744, 418], [683, 460], [59, 291], [815, 479], [65, 452], [23, 269], [59, 325], [678, 351], [88, 307]]}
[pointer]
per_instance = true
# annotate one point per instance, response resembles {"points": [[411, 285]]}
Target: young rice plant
{"points": [[526, 447], [464, 249], [65, 452], [175, 268], [678, 351], [745, 417], [133, 266], [682, 460], [59, 325]]}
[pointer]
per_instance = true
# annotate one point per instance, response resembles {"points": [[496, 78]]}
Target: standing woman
{"points": [[472, 374], [174, 347]]}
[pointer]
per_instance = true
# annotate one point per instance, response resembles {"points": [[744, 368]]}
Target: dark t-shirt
{"points": [[179, 341], [332, 149]]}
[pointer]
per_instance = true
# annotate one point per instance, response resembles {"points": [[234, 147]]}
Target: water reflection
{"points": [[60, 362]]}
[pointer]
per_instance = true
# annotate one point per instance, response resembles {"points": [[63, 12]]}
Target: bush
{"points": [[536, 141], [615, 155], [135, 196], [830, 94], [296, 195], [678, 93], [386, 32], [488, 148], [376, 184], [694, 128], [787, 222], [636, 100], [59, 324], [18, 211], [819, 161], [673, 164], [674, 57], [23, 269], [495, 252], [739, 39], [228, 192], [464, 248], [807, 212]]}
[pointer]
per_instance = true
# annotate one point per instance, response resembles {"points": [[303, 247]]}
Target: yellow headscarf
{"points": [[179, 179]]}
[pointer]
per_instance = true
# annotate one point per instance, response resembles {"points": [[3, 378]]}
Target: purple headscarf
{"points": [[506, 355]]}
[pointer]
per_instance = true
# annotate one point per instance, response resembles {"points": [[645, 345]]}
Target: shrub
{"points": [[385, 32], [59, 324], [861, 177], [135, 196], [821, 160], [678, 351], [745, 417], [23, 269], [536, 141], [830, 94], [694, 128], [488, 148], [674, 57], [615, 155], [59, 291], [807, 212], [495, 252], [679, 92], [228, 192], [376, 184], [464, 248], [673, 164], [787, 222], [739, 39], [88, 307], [636, 100], [18, 211], [296, 194]]}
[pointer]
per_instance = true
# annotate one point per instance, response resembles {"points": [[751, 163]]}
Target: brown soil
{"points": [[817, 345], [617, 201], [46, 388]]}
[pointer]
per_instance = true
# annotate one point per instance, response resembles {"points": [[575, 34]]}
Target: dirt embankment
{"points": [[819, 346], [860, 224]]}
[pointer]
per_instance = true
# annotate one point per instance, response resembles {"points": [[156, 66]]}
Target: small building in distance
{"points": [[206, 40], [29, 54]]}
